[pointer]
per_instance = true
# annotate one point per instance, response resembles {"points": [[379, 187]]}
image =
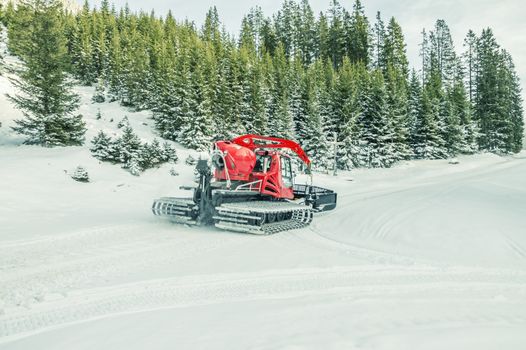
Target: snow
{"points": [[427, 255]]}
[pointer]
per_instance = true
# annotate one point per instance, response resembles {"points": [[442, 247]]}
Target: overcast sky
{"points": [[505, 17]]}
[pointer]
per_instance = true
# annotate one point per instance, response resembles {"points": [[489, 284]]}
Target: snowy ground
{"points": [[428, 255]]}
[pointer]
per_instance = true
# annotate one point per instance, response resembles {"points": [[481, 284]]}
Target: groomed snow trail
{"points": [[368, 274]]}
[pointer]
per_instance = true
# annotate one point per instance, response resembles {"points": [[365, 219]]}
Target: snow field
{"points": [[426, 255]]}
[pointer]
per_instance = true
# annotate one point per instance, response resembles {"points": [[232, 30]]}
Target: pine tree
{"points": [[397, 113], [128, 147], [82, 47], [492, 109], [336, 40], [394, 53], [429, 143], [378, 43], [347, 107], [470, 62], [102, 147], [314, 141], [100, 92], [196, 128], [374, 135], [358, 35], [45, 96], [414, 112], [442, 53], [168, 153], [80, 174]]}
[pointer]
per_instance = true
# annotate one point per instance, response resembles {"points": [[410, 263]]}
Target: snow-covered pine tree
{"points": [[115, 68], [314, 141], [45, 96], [17, 18], [358, 35], [461, 134], [397, 114], [151, 154], [414, 110], [128, 147], [242, 120], [80, 174], [100, 92], [133, 165], [223, 107], [469, 58], [493, 97], [375, 135], [297, 99], [345, 108], [259, 98], [442, 51], [377, 48], [102, 147], [124, 122], [429, 144], [82, 48], [395, 50], [168, 153], [196, 128], [336, 36], [515, 105], [281, 122]]}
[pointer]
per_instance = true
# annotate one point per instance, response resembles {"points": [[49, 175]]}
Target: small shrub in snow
{"points": [[124, 122], [80, 175], [173, 172], [99, 115]]}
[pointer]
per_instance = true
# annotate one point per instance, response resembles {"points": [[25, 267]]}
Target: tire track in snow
{"points": [[32, 270], [377, 226], [516, 248], [347, 284]]}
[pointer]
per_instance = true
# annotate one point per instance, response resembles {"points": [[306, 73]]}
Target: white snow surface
{"points": [[427, 255]]}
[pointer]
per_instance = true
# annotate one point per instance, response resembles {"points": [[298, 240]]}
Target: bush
{"points": [[80, 175], [124, 122], [129, 151]]}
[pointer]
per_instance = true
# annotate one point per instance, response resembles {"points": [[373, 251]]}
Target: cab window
{"points": [[286, 171], [262, 163]]}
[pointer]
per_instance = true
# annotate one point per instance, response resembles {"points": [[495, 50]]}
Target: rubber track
{"points": [[246, 217]]}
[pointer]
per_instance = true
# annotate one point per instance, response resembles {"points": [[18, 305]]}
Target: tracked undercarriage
{"points": [[243, 210]]}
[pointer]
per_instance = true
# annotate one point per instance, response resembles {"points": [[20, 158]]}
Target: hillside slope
{"points": [[426, 255]]}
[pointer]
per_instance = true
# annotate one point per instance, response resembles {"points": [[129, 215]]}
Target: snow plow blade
{"points": [[320, 198]]}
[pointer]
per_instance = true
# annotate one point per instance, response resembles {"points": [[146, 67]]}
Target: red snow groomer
{"points": [[249, 187]]}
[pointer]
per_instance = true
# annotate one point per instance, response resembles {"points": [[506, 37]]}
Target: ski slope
{"points": [[427, 255]]}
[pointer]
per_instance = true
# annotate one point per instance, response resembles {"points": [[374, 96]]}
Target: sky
{"points": [[505, 17]]}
